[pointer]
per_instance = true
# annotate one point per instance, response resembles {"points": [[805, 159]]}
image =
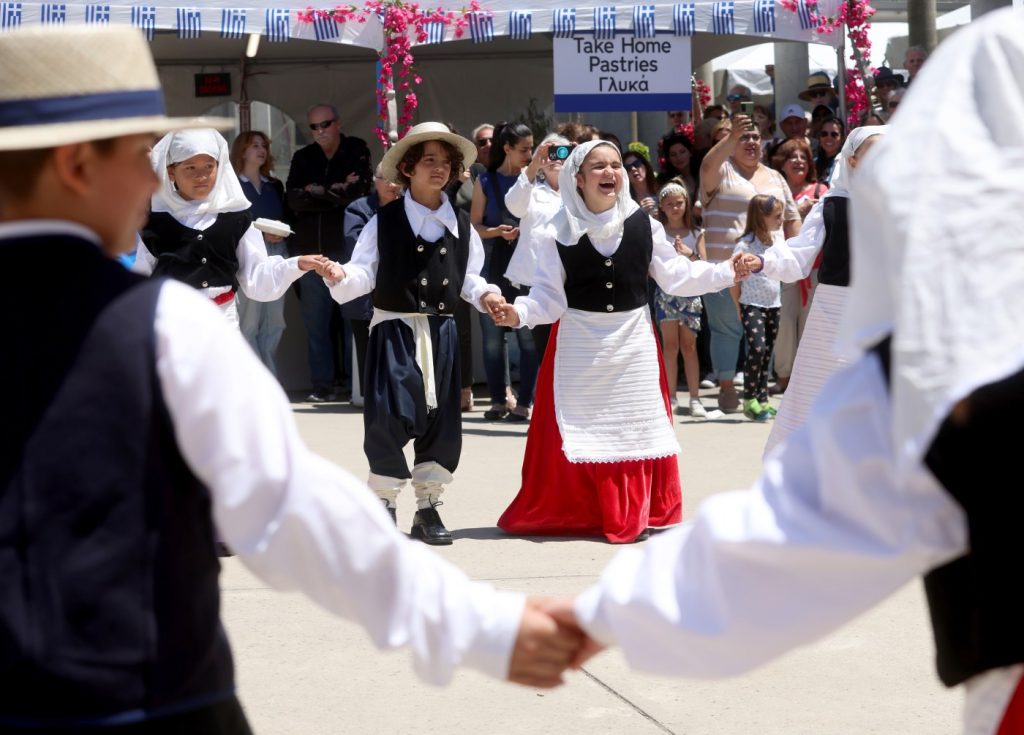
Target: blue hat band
{"points": [[81, 108]]}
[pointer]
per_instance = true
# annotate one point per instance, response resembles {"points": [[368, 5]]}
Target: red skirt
{"points": [[617, 500]]}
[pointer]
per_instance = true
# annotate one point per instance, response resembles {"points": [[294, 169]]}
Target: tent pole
{"points": [[841, 77], [392, 107], [634, 128]]}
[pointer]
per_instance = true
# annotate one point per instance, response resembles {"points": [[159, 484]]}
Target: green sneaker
{"points": [[752, 410], [769, 408]]}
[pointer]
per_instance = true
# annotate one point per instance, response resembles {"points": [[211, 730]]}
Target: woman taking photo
{"points": [[511, 150]]}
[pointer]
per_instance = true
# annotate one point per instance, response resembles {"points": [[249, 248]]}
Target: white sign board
{"points": [[622, 74]]}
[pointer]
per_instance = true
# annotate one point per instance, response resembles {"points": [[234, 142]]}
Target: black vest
{"points": [[835, 253], [976, 607], [416, 276], [617, 282], [108, 568], [200, 258]]}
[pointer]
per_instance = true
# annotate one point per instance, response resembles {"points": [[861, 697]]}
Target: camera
{"points": [[559, 152]]}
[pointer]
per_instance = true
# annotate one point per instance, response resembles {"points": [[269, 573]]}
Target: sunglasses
{"points": [[818, 93], [322, 125], [634, 164], [736, 97], [482, 142], [828, 134]]}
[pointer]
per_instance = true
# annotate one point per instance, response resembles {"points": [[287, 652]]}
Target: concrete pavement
{"points": [[304, 671]]}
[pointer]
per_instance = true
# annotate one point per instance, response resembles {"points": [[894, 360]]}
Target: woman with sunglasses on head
{"points": [[511, 151], [731, 175], [831, 137]]}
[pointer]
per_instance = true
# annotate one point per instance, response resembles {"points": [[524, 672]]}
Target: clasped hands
{"points": [[549, 641], [743, 264], [503, 313]]}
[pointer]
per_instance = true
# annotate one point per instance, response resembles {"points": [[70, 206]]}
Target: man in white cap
{"points": [[126, 441], [793, 122], [906, 464]]}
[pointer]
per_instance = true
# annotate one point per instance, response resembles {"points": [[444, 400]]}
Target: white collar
{"points": [[31, 227], [418, 213], [246, 179]]}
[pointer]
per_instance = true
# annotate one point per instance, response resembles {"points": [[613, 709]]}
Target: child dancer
{"points": [[679, 316], [601, 450], [200, 228], [758, 300], [417, 257]]}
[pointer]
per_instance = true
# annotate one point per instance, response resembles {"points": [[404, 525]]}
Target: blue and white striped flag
{"points": [[520, 25], [764, 16], [53, 13], [564, 25], [803, 12], [190, 23], [604, 22], [684, 19], [325, 28], [435, 31], [97, 13], [232, 23], [643, 21], [144, 17], [481, 26], [10, 15], [279, 25], [723, 17]]}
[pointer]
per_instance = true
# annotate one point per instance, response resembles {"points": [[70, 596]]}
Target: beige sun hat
{"points": [[69, 84], [421, 134]]}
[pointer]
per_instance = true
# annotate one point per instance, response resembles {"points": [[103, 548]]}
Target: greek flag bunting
{"points": [[53, 13], [520, 25], [723, 17], [144, 17], [684, 19], [279, 26], [564, 25], [435, 31], [643, 21], [803, 12], [481, 26], [604, 22], [190, 23], [97, 13], [764, 16], [10, 15], [325, 28], [232, 23]]}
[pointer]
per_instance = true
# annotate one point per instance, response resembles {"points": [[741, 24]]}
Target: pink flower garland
{"points": [[404, 24], [856, 16]]}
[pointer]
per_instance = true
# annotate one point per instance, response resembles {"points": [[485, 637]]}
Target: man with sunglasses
{"points": [[325, 176], [736, 95]]}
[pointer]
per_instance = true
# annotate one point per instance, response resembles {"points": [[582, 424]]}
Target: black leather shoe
{"points": [[642, 536], [428, 528]]}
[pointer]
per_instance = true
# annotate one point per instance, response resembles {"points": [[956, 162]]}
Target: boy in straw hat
{"points": [[125, 442], [418, 257]]}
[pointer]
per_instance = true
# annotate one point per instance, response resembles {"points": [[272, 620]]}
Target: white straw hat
{"points": [[420, 134], [69, 84]]}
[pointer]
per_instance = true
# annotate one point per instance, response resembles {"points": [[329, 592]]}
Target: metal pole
{"points": [[841, 78], [634, 128]]}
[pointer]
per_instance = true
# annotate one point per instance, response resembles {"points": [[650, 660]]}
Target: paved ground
{"points": [[303, 671]]}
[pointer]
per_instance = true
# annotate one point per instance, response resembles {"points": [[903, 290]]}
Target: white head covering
{"points": [[937, 252], [839, 184], [574, 219], [226, 194]]}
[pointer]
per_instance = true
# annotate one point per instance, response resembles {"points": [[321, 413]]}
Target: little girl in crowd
{"points": [[758, 300], [679, 316]]}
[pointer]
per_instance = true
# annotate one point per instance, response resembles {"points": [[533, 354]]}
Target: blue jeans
{"points": [[262, 322], [496, 360], [726, 333], [317, 307]]}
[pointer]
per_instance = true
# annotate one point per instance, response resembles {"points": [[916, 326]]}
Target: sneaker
{"points": [[769, 408], [697, 409], [707, 383], [673, 405], [752, 410], [322, 395], [738, 379]]}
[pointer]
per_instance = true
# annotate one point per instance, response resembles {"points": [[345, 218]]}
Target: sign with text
{"points": [[622, 74], [215, 84]]}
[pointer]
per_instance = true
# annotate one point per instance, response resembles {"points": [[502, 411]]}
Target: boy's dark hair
{"points": [[415, 153], [20, 170]]}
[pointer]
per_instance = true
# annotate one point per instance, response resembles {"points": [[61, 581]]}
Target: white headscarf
{"points": [[574, 219], [839, 184], [226, 194], [938, 255]]}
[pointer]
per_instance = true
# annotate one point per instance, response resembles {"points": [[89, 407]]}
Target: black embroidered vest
{"points": [[200, 258], [835, 253]]}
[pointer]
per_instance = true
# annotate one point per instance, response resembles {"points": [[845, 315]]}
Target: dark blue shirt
{"points": [[268, 203]]}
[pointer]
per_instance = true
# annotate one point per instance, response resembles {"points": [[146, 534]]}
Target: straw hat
{"points": [[421, 134], [817, 82], [69, 84]]}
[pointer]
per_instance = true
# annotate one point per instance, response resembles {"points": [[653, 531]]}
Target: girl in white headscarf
{"points": [[825, 231], [601, 451], [200, 229]]}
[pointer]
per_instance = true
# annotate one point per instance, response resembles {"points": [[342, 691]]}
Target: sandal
{"points": [[467, 399], [496, 412], [518, 415]]}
